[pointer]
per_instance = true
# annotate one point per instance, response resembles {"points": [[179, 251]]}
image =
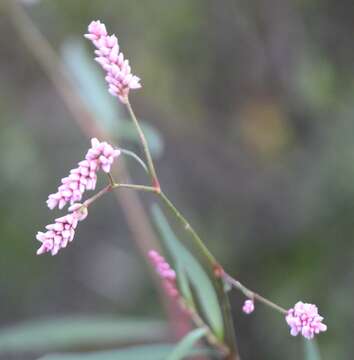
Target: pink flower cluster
{"points": [[166, 273], [304, 318], [100, 156], [59, 234], [248, 306], [119, 76]]}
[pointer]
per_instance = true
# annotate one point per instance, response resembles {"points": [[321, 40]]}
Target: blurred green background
{"points": [[250, 109]]}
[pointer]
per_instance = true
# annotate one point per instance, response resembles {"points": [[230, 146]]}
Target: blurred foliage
{"points": [[185, 346], [78, 333], [193, 273], [147, 352], [254, 103], [311, 350]]}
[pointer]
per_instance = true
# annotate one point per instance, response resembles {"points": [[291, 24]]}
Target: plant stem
{"points": [[204, 250], [136, 187], [111, 179], [135, 157], [152, 171], [213, 264], [189, 228], [251, 294], [217, 281], [114, 185], [92, 199], [199, 322]]}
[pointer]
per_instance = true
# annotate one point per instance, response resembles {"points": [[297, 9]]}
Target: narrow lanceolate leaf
{"points": [[311, 350], [74, 332], [184, 285], [145, 352], [198, 278], [184, 347]]}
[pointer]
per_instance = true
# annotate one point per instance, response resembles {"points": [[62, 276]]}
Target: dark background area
{"points": [[253, 101]]}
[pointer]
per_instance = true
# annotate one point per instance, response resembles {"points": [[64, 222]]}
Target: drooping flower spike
{"points": [[167, 274], [59, 234], [118, 72], [101, 155], [304, 319]]}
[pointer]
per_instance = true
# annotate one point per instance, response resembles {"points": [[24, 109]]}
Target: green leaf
{"points": [[89, 78], [145, 352], [71, 332], [311, 350], [183, 284], [197, 276], [186, 344]]}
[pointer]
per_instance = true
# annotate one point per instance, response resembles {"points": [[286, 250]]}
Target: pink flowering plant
{"points": [[193, 264]]}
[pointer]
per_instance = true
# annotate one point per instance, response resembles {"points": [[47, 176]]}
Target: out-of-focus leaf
{"points": [[197, 276], [106, 109], [183, 284], [311, 350], [71, 332], [90, 81], [184, 347], [145, 352]]}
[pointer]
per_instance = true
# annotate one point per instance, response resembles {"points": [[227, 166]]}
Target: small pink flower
{"points": [[59, 234], [166, 273], [118, 72], [100, 156], [304, 318], [96, 30], [248, 306]]}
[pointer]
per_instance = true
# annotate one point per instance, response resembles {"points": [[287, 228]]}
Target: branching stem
{"points": [[144, 143], [251, 294], [189, 228], [213, 264]]}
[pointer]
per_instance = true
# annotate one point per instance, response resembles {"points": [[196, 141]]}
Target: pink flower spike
{"points": [[84, 177], [58, 234], [62, 232], [119, 77], [248, 306], [166, 273], [304, 319]]}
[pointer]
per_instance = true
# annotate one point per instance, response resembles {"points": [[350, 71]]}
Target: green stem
{"points": [[215, 268], [95, 197], [135, 157], [251, 294], [217, 280], [111, 179], [136, 187], [114, 185], [154, 179], [189, 228], [199, 322]]}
